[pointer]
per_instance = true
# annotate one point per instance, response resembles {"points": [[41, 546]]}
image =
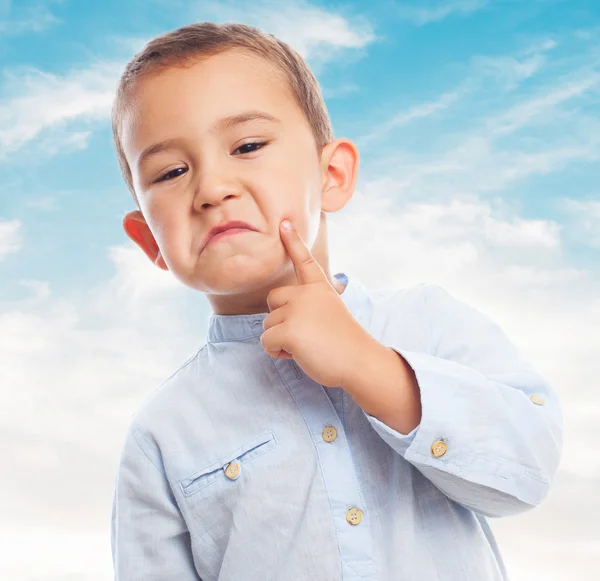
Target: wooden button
{"points": [[354, 516], [537, 399], [232, 471], [329, 434], [439, 448]]}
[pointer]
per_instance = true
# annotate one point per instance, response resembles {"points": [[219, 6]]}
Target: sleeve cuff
{"points": [[454, 411], [447, 390], [399, 442]]}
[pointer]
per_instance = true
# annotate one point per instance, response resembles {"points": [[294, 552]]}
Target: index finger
{"points": [[308, 270]]}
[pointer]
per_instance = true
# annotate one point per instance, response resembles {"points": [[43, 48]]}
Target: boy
{"points": [[323, 432]]}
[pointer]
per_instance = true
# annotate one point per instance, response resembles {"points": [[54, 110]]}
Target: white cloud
{"points": [[35, 19], [587, 34], [10, 239], [50, 108], [533, 134], [40, 289], [37, 102], [427, 12], [584, 217], [544, 104], [60, 554], [339, 91], [74, 369], [509, 70], [44, 203], [4, 8], [413, 113], [315, 32], [471, 219], [498, 74]]}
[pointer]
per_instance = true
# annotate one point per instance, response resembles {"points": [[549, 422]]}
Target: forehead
{"points": [[181, 101]]}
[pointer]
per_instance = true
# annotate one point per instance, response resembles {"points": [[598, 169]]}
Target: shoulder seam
{"points": [[444, 322], [183, 365], [155, 391], [134, 433]]}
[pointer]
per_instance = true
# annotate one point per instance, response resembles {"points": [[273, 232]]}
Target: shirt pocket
{"points": [[218, 473], [215, 498]]}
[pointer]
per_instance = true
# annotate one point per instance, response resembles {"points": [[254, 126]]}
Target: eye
{"points": [[171, 174], [256, 145]]}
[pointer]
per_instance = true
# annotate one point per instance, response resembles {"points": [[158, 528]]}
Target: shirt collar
{"points": [[241, 327]]}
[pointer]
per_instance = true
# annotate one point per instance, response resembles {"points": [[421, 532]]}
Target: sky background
{"points": [[478, 124]]}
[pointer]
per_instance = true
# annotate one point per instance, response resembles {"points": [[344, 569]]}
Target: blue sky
{"points": [[479, 131]]}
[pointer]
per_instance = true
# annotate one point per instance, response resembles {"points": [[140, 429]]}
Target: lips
{"points": [[222, 227]]}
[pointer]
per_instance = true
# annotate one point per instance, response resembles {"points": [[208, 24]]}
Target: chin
{"points": [[236, 277]]}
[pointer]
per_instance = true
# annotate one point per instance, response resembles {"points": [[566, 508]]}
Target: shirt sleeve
{"points": [[490, 436], [149, 538]]}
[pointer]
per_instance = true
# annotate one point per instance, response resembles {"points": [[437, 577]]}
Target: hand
{"points": [[310, 323]]}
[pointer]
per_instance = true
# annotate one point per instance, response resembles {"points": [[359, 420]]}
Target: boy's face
{"points": [[259, 171]]}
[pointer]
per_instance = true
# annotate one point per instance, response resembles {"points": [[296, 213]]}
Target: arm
{"points": [[500, 449], [149, 537]]}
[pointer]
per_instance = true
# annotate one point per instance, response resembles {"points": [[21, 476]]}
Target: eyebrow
{"points": [[218, 126]]}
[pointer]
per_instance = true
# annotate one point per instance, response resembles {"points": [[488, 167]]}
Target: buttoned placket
{"points": [[350, 516]]}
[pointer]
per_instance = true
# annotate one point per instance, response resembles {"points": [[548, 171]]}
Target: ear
{"points": [[137, 229], [339, 168]]}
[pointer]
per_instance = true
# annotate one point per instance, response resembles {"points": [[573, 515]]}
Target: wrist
{"points": [[385, 387]]}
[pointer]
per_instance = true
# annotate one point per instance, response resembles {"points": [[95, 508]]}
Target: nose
{"points": [[214, 185]]}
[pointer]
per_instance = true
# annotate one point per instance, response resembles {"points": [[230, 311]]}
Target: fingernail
{"points": [[286, 225]]}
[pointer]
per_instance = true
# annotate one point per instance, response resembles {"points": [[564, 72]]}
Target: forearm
{"points": [[384, 385], [501, 449]]}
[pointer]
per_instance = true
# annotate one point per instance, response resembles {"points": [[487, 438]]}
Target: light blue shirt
{"points": [[240, 467]]}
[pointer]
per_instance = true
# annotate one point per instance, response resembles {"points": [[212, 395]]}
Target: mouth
{"points": [[225, 230]]}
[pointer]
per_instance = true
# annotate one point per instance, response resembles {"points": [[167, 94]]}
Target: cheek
{"points": [[300, 201], [168, 228], [292, 207], [304, 213]]}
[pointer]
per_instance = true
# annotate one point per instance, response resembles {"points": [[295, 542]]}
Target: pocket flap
{"points": [[250, 450]]}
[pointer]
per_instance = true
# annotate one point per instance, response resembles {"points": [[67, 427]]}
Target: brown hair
{"points": [[188, 44]]}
